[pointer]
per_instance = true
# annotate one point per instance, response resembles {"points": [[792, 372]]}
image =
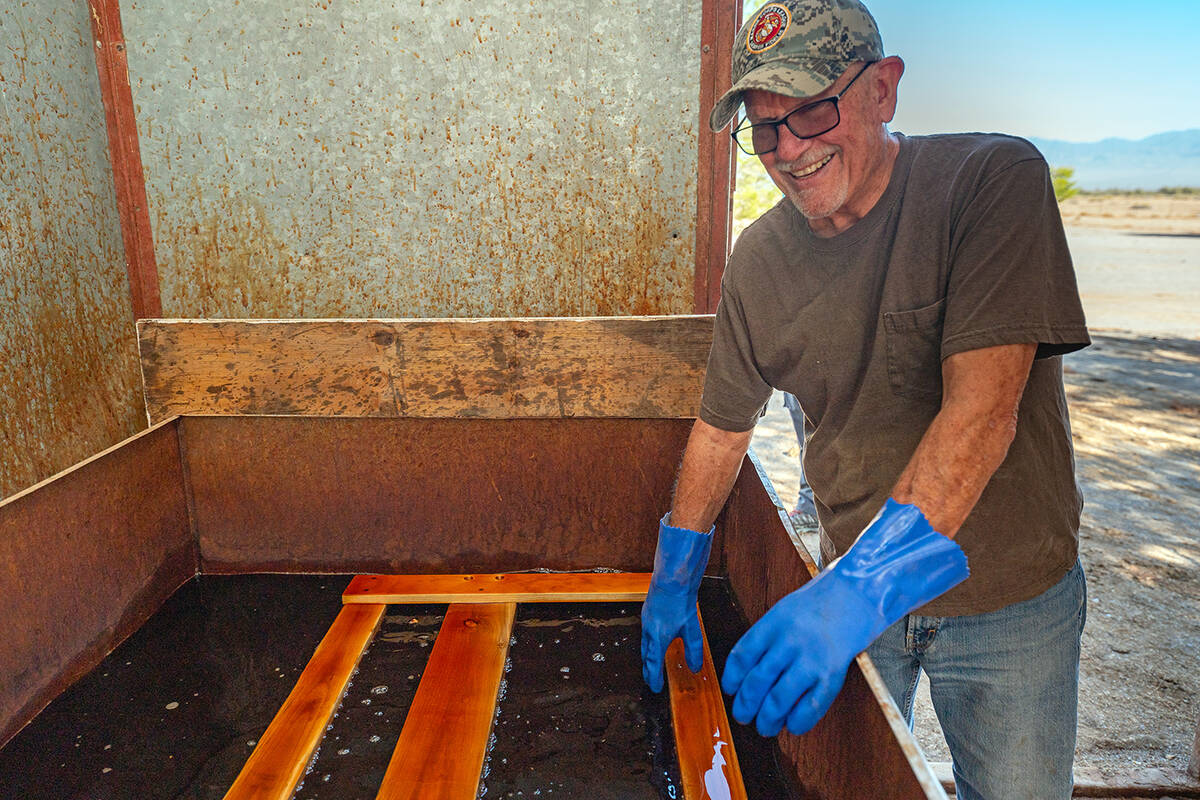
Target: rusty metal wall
{"points": [[69, 384], [402, 158]]}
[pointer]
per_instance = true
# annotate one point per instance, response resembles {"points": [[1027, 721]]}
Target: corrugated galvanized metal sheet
{"points": [[419, 159], [69, 383]]}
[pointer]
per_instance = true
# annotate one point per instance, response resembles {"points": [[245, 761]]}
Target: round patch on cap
{"points": [[770, 26]]}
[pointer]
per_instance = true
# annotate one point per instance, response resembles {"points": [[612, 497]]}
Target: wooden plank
{"points": [[444, 741], [112, 64], [284, 750], [719, 22], [499, 588], [642, 367], [708, 764]]}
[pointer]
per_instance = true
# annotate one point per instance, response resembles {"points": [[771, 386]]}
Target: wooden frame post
{"points": [[112, 64], [719, 22]]}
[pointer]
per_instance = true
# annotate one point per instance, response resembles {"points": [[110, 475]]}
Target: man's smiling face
{"points": [[833, 179]]}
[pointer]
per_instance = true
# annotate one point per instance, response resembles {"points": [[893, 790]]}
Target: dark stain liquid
{"points": [[176, 710]]}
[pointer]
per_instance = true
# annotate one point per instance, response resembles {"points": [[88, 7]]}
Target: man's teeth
{"points": [[800, 173]]}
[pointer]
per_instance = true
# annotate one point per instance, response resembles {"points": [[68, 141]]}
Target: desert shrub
{"points": [[1064, 187]]}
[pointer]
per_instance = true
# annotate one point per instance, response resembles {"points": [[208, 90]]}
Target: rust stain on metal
{"points": [[514, 161], [68, 364]]}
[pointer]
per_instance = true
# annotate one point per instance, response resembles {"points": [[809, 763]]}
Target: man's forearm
{"points": [[969, 438], [710, 465]]}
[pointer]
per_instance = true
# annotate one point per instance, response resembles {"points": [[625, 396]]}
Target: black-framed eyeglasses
{"points": [[805, 122]]}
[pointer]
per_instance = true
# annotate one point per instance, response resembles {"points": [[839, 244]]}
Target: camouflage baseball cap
{"points": [[797, 48]]}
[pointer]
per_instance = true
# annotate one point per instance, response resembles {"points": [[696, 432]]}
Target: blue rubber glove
{"points": [[790, 665], [670, 608]]}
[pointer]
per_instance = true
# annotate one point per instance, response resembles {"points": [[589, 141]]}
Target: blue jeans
{"points": [[1005, 688], [804, 496]]}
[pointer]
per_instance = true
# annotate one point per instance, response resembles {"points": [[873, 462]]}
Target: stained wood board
{"points": [[642, 367], [388, 496], [87, 556], [708, 764], [444, 740], [284, 750], [499, 588], [862, 746]]}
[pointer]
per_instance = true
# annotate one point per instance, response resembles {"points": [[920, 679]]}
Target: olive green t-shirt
{"points": [[964, 250]]}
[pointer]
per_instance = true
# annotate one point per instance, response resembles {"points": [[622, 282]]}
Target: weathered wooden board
{"points": [[708, 764], [442, 746], [527, 587], [85, 558], [278, 761], [642, 367]]}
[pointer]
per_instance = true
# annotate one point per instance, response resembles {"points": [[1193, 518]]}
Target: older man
{"points": [[916, 295]]}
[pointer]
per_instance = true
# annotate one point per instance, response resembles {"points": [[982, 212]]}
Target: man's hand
{"points": [[790, 665], [670, 608]]}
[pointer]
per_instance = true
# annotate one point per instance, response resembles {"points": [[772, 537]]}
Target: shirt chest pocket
{"points": [[914, 350]]}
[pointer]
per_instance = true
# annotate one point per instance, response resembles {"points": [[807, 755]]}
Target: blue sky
{"points": [[1073, 70]]}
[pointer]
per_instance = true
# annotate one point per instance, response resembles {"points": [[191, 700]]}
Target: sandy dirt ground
{"points": [[1135, 409], [1149, 213]]}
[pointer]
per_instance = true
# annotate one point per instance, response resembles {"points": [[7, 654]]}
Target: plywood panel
{"points": [[68, 360], [85, 558], [441, 749], [861, 748], [277, 764], [368, 159], [534, 587], [615, 367], [443, 496]]}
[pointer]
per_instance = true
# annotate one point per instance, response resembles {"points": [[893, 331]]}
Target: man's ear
{"points": [[885, 82]]}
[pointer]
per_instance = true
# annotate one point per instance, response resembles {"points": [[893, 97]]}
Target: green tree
{"points": [[1064, 187], [754, 193]]}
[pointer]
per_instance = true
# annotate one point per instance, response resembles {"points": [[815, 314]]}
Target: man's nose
{"points": [[790, 146]]}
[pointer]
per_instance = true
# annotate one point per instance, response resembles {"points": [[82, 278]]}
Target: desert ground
{"points": [[1135, 408], [1177, 214]]}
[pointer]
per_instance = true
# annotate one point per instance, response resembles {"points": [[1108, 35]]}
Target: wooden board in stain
{"points": [[444, 740], [645, 367], [524, 587], [439, 496], [359, 741], [87, 556], [708, 762], [278, 762]]}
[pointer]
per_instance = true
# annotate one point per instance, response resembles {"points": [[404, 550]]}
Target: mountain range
{"points": [[1164, 159]]}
